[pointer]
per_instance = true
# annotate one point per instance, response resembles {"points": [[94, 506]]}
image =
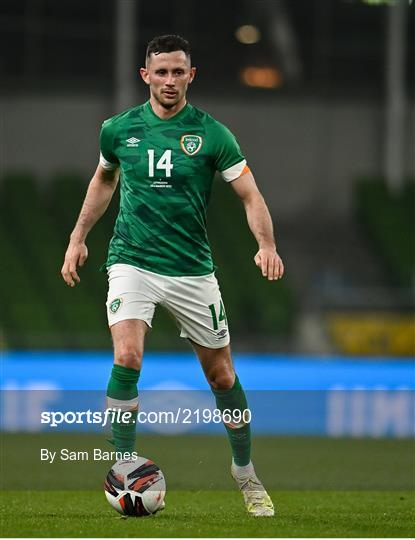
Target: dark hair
{"points": [[166, 44]]}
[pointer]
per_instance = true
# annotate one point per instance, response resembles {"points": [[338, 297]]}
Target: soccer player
{"points": [[167, 152]]}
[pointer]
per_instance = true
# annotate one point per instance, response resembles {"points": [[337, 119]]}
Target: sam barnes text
{"points": [[96, 454]]}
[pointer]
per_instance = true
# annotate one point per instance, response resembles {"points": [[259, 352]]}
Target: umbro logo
{"points": [[222, 333], [132, 141]]}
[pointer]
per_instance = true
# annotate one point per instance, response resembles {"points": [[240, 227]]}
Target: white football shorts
{"points": [[194, 301]]}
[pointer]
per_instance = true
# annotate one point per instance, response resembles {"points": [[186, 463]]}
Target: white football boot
{"points": [[257, 501]]}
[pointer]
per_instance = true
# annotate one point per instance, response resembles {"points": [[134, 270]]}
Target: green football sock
{"points": [[122, 394], [240, 435]]}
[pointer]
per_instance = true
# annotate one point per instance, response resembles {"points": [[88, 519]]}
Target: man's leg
{"points": [[220, 374], [128, 339], [230, 397]]}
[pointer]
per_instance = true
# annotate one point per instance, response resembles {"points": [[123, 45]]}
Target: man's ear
{"points": [[192, 74], [144, 75]]}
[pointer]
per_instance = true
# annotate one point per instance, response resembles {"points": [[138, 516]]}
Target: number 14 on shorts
{"points": [[215, 318]]}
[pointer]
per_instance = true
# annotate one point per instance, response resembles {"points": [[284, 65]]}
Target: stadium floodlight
{"points": [[248, 34]]}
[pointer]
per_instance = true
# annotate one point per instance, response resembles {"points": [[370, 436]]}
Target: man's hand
{"points": [[260, 223], [75, 256], [98, 196], [270, 263]]}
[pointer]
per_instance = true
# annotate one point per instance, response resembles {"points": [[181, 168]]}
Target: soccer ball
{"points": [[135, 487]]}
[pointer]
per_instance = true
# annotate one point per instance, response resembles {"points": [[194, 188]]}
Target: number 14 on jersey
{"points": [[164, 163]]}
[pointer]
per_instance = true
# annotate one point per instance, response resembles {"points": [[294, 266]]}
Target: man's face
{"points": [[168, 75]]}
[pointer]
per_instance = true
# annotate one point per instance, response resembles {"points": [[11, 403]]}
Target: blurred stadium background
{"points": [[321, 95]]}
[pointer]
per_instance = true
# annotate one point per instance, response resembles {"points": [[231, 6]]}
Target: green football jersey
{"points": [[167, 169]]}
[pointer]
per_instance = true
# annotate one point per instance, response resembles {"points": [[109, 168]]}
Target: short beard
{"points": [[166, 106]]}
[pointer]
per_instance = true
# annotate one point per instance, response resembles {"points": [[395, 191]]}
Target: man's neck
{"points": [[164, 113]]}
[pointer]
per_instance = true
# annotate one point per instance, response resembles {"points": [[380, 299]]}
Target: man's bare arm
{"points": [[260, 223], [98, 196]]}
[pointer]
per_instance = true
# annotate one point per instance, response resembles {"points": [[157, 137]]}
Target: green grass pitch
{"points": [[210, 514], [321, 488]]}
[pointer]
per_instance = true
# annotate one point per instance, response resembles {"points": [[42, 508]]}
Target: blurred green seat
{"points": [[388, 220]]}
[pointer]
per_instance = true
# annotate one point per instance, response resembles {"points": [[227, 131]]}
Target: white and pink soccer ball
{"points": [[135, 487]]}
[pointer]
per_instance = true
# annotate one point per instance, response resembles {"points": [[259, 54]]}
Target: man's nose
{"points": [[170, 81]]}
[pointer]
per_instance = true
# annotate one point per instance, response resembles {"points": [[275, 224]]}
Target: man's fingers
{"points": [[270, 270], [261, 262], [64, 273], [277, 268], [270, 264], [67, 277], [75, 256], [264, 266], [74, 273], [70, 274]]}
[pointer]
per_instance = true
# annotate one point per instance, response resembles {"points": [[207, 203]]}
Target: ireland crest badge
{"points": [[191, 144], [115, 305]]}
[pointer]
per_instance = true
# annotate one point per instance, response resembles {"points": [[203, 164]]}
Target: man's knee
{"points": [[129, 358], [222, 379]]}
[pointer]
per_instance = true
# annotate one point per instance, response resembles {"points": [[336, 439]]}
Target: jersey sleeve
{"points": [[229, 160], [107, 159]]}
